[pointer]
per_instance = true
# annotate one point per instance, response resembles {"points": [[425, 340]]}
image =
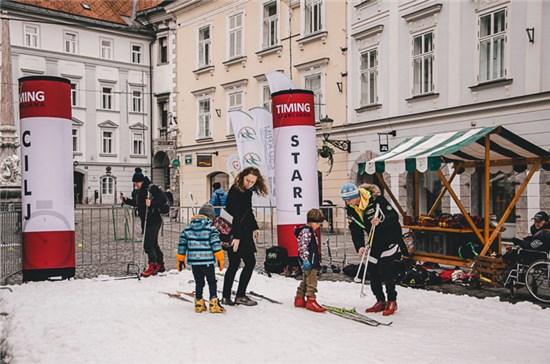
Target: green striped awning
{"points": [[424, 153]]}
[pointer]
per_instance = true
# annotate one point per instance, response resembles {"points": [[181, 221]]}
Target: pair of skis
{"points": [[181, 295], [352, 314]]}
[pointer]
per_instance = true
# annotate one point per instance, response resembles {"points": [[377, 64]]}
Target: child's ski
{"points": [[264, 297], [177, 295], [352, 314]]}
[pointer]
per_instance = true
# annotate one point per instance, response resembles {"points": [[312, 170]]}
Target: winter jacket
{"points": [[388, 237], [534, 229], [539, 241], [157, 200], [199, 241], [308, 248], [239, 205], [218, 198]]}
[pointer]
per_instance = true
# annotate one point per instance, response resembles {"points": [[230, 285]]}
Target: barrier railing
{"points": [[108, 240]]}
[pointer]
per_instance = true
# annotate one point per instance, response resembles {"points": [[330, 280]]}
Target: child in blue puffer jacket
{"points": [[309, 254], [200, 243]]}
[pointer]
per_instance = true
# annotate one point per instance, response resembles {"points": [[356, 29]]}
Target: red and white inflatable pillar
{"points": [[295, 162], [46, 178]]}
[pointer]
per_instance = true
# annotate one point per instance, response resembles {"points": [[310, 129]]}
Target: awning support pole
{"points": [[390, 193], [416, 193], [487, 190], [460, 206], [442, 193]]}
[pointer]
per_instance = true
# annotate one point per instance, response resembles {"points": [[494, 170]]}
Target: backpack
{"points": [[275, 259], [164, 209]]}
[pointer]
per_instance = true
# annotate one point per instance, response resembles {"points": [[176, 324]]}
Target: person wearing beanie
{"points": [[387, 244], [148, 209], [309, 254], [199, 244]]}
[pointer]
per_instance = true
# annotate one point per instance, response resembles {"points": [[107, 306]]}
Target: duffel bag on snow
{"points": [[275, 259]]}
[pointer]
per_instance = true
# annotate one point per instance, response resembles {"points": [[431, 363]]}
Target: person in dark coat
{"points": [[151, 219], [218, 197], [387, 244], [244, 229], [540, 234]]}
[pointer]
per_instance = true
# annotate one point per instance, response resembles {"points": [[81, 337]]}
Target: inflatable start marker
{"points": [[46, 178], [295, 162]]}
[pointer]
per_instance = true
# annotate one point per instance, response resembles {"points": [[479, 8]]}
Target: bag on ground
{"points": [[275, 259]]}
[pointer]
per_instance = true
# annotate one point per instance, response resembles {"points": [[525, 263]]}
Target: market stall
{"points": [[491, 149]]}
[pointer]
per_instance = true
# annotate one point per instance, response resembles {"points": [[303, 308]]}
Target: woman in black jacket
{"points": [[244, 230]]}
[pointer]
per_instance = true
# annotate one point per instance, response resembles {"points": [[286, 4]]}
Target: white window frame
{"points": [[492, 61], [423, 61], [107, 100], [270, 24], [107, 142], [106, 51], [107, 185], [137, 101], [75, 95], [204, 51], [318, 94], [31, 39], [136, 55], [70, 45], [313, 18], [235, 101], [371, 71], [138, 143], [204, 118], [235, 35], [76, 139], [163, 50], [265, 96]]}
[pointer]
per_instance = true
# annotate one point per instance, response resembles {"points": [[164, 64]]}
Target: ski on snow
{"points": [[264, 297], [177, 295], [352, 314]]}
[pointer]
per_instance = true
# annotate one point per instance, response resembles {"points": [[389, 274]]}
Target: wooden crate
{"points": [[490, 269]]}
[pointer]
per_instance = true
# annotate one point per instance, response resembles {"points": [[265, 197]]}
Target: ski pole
{"points": [[145, 224], [363, 294], [371, 235]]}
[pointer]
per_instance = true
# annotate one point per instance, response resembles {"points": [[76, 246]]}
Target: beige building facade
{"points": [[224, 49]]}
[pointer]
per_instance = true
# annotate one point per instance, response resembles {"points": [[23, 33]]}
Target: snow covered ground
{"points": [[129, 321]]}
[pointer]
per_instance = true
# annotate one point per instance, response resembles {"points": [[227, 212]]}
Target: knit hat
{"points": [[207, 210], [349, 191], [539, 216], [138, 176]]}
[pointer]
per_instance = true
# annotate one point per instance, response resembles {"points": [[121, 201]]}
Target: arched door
{"points": [[78, 187], [161, 170]]}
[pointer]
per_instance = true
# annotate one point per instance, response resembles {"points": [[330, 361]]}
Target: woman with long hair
{"points": [[244, 231]]}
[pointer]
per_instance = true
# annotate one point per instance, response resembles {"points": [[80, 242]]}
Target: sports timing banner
{"points": [[46, 177], [295, 162]]}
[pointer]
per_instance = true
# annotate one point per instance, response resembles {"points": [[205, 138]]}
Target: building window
{"points": [[204, 119], [313, 83], [107, 142], [235, 103], [423, 60], [32, 35], [107, 98], [137, 101], [71, 42], [236, 35], [204, 47], [137, 143], [163, 50], [313, 16], [136, 53], [74, 94], [266, 97], [492, 45], [270, 22], [76, 140], [369, 75], [107, 185], [106, 48]]}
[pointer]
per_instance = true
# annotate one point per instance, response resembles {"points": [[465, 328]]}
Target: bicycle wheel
{"points": [[537, 280]]}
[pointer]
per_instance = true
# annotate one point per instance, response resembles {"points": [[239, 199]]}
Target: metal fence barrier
{"points": [[108, 240]]}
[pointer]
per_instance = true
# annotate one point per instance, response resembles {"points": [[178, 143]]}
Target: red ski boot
{"points": [[378, 307], [151, 271], [299, 301], [312, 305], [160, 268], [391, 307]]}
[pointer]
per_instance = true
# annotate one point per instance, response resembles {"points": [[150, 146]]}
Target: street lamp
{"points": [[326, 127]]}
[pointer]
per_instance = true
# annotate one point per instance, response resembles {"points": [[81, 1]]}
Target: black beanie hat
{"points": [[138, 176]]}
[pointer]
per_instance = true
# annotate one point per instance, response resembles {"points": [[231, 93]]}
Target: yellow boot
{"points": [[200, 306], [215, 306]]}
